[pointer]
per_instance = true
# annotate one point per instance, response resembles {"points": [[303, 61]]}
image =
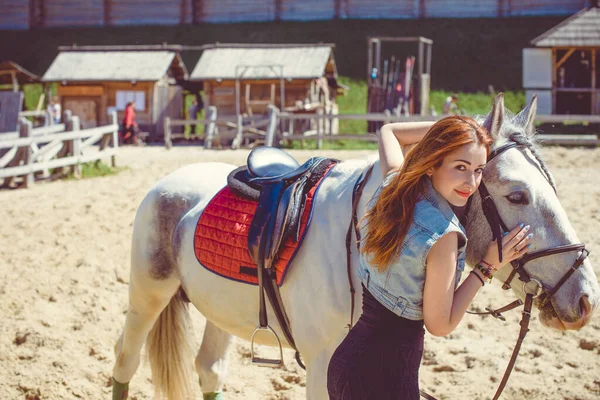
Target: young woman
{"points": [[130, 130], [412, 257]]}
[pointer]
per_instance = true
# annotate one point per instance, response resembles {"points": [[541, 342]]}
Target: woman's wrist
{"points": [[478, 276]]}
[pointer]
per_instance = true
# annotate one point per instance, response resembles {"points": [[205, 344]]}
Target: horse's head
{"points": [[522, 190]]}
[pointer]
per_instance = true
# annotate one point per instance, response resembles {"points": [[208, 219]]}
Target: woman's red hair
{"points": [[390, 217]]}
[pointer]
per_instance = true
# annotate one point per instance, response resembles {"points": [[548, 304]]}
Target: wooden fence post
{"points": [[237, 140], [48, 120], [320, 121], [210, 127], [330, 120], [167, 129], [25, 127], [115, 138], [75, 127], [272, 127], [108, 137]]}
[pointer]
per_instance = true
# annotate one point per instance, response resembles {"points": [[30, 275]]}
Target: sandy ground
{"points": [[64, 251]]}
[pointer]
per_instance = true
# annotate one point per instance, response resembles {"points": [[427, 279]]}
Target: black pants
{"points": [[379, 359], [129, 135]]}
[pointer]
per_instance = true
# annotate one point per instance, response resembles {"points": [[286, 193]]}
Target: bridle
{"points": [[498, 227]]}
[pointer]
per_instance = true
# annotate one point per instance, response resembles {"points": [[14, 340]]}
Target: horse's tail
{"points": [[170, 351]]}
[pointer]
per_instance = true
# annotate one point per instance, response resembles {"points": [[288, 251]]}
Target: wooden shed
{"points": [[13, 76], [94, 80], [246, 78], [563, 68]]}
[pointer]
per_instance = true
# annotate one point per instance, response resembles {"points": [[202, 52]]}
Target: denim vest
{"points": [[400, 287]]}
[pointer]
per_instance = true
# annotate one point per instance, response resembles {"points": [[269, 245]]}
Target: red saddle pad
{"points": [[221, 237]]}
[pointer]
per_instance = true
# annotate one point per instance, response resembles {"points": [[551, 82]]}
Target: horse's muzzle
{"points": [[583, 314]]}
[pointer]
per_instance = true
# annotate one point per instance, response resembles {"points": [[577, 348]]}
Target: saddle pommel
{"points": [[270, 162]]}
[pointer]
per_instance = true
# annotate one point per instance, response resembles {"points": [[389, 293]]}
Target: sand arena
{"points": [[64, 268]]}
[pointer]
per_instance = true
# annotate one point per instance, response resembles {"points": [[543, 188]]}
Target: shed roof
{"points": [[114, 66], [580, 30], [263, 62], [23, 76]]}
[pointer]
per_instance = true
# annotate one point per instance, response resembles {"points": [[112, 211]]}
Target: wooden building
{"points": [[246, 78], [13, 76], [94, 80], [563, 68]]}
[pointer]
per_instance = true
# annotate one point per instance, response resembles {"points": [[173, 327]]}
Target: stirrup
{"points": [[266, 362]]}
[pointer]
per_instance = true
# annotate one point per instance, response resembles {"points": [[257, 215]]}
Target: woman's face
{"points": [[460, 173]]}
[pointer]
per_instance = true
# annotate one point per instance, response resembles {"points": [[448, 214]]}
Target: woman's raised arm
{"points": [[394, 139]]}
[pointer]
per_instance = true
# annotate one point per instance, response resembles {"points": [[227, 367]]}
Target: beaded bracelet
{"points": [[478, 277], [491, 267], [487, 272]]}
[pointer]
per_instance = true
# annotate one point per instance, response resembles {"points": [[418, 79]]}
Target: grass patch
{"points": [[354, 102], [96, 169], [477, 103], [32, 93]]}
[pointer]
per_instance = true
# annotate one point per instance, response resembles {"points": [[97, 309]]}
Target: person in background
{"points": [[130, 130], [55, 110], [451, 104], [194, 110]]}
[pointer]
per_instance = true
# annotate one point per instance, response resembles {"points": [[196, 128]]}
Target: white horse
{"points": [[315, 293]]}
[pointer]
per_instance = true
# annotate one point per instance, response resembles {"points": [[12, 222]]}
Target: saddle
{"points": [[280, 185]]}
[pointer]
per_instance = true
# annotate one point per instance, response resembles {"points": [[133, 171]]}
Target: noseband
{"points": [[498, 226]]}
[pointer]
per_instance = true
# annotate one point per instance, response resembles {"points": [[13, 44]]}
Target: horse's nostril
{"points": [[585, 306]]}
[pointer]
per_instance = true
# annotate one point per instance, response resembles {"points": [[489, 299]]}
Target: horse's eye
{"points": [[517, 198]]}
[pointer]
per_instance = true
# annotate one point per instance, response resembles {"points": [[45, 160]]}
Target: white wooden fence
{"points": [[291, 126], [65, 145], [240, 128]]}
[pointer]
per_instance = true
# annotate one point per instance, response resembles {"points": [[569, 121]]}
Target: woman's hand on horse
{"points": [[515, 244]]}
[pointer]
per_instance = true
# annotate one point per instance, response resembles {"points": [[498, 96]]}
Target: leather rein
{"points": [[498, 227]]}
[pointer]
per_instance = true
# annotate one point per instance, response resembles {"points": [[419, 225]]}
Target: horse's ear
{"points": [[493, 122], [526, 118]]}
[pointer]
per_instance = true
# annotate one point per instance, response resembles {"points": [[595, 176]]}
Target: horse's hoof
{"points": [[214, 396], [120, 390]]}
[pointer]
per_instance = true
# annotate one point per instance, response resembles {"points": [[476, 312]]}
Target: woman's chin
{"points": [[458, 202]]}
